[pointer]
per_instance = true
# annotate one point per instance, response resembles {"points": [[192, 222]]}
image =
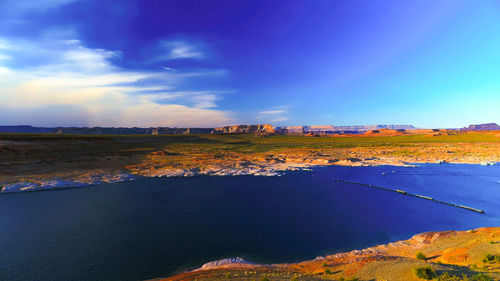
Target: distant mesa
{"points": [[338, 130], [104, 130], [264, 129], [131, 131], [236, 129], [24, 129], [482, 127], [245, 129]]}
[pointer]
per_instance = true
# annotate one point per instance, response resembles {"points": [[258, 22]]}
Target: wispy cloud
{"points": [[76, 85], [177, 49], [22, 6], [196, 99], [277, 114], [4, 57], [273, 112], [5, 45], [168, 68]]}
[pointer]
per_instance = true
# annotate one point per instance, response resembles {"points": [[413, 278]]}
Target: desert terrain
{"points": [[41, 161]]}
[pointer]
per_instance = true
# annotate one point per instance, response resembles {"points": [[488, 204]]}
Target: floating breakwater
{"points": [[413, 195]]}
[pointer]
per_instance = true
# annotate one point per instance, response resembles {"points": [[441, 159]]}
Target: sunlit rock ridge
{"points": [[331, 129], [244, 129]]}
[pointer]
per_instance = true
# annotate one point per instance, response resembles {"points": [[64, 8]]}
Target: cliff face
{"points": [[483, 127], [244, 129], [290, 130]]}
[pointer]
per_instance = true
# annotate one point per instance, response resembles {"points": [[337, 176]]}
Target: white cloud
{"points": [[180, 50], [271, 112], [71, 80], [197, 99]]}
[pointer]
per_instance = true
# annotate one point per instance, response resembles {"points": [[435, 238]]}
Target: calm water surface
{"points": [[156, 227]]}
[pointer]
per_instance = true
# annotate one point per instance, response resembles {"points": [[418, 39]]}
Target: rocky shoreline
{"points": [[44, 162], [100, 177], [269, 169], [454, 252]]}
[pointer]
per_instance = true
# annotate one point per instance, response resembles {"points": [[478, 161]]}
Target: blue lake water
{"points": [[159, 226]]}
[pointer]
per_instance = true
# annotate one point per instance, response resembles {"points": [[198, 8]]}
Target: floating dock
{"points": [[413, 195]]}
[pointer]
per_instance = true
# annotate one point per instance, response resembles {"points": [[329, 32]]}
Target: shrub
{"points": [[350, 279], [328, 271], [489, 257], [481, 277], [421, 256], [447, 277], [264, 279], [426, 273]]}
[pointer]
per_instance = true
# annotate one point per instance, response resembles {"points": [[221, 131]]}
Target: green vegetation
{"points": [[481, 277], [428, 273], [421, 256], [328, 271], [244, 143], [425, 272], [94, 151], [489, 258], [447, 277], [349, 279], [238, 139], [264, 279]]}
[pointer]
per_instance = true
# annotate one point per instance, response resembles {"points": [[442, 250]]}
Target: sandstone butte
{"points": [[454, 252]]}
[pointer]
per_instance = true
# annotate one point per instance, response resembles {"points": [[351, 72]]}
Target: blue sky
{"points": [[210, 63]]}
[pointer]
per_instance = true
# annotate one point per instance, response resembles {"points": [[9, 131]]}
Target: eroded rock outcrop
{"points": [[245, 129], [232, 262], [332, 130]]}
